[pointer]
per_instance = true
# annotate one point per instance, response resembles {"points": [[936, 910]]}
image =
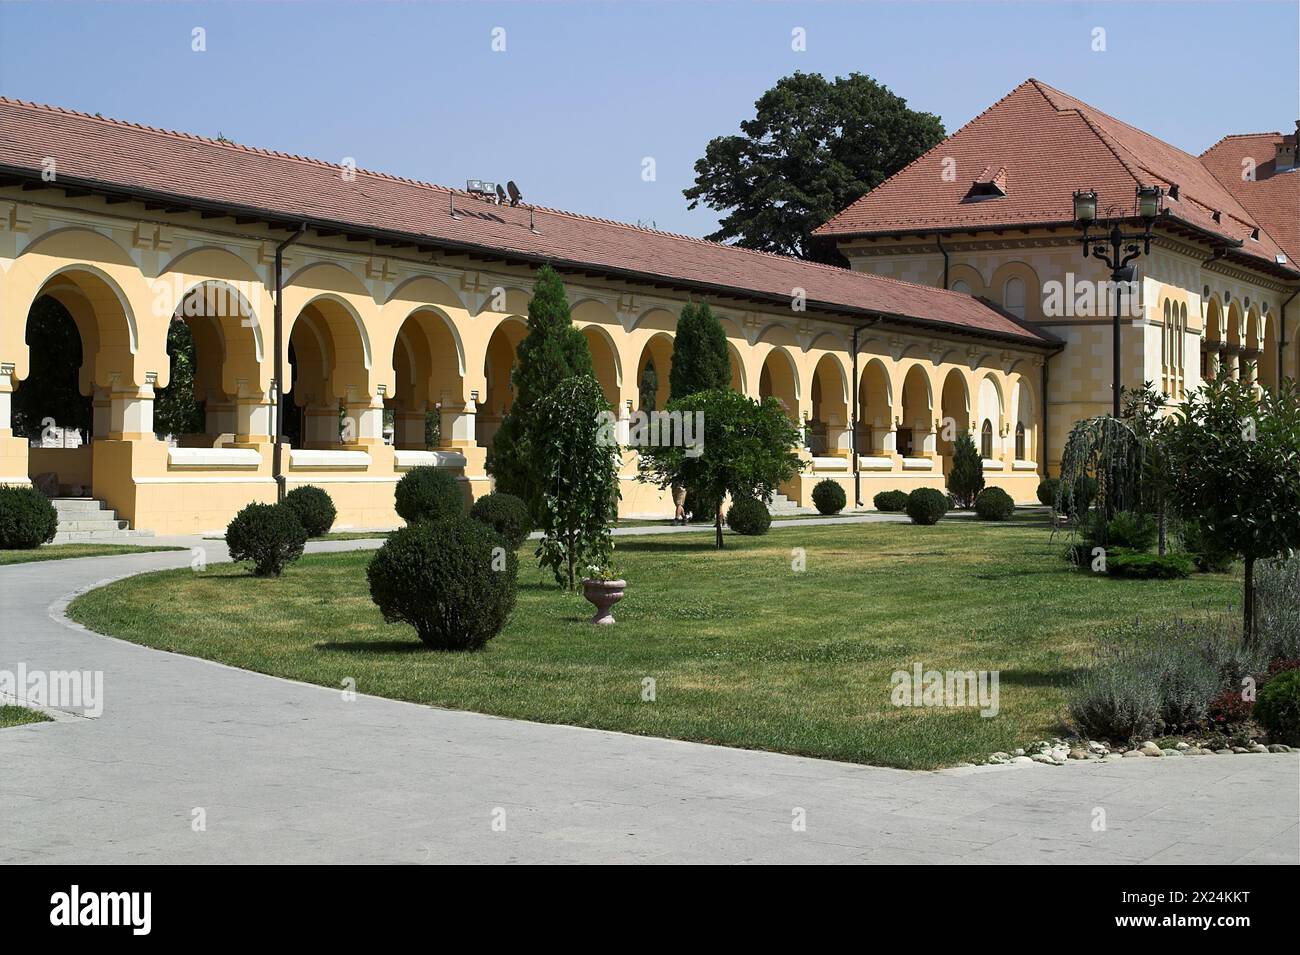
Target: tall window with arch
{"points": [[1020, 441], [986, 439]]}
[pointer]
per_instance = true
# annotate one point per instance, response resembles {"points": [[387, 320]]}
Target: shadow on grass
{"points": [[376, 646], [655, 546]]}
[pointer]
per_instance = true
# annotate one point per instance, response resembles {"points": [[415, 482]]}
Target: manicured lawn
{"points": [[18, 715], [743, 650], [66, 551]]}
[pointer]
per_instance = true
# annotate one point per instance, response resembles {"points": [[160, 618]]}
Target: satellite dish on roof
{"points": [[515, 195], [501, 194]]}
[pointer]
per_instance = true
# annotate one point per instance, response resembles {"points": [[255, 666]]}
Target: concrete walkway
{"points": [[287, 772]]}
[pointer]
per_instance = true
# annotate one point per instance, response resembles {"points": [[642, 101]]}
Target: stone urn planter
{"points": [[603, 594]]}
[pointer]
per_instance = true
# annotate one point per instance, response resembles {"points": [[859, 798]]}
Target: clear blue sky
{"points": [[584, 91]]}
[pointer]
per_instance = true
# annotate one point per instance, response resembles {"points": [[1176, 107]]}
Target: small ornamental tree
{"points": [[552, 351], [700, 359], [177, 409], [748, 449], [966, 479], [1234, 455], [577, 457]]}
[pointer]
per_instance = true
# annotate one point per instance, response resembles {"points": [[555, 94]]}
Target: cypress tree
{"points": [[552, 351], [966, 479], [700, 360]]}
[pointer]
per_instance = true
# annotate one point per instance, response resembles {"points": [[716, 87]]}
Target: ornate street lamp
{"points": [[1117, 250]]}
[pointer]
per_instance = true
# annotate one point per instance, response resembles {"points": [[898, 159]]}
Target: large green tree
{"points": [[51, 391], [813, 147], [177, 409], [1234, 452], [740, 446], [552, 351], [700, 360]]}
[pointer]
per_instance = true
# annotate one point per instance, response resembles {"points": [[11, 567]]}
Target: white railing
{"points": [[214, 458], [404, 460]]}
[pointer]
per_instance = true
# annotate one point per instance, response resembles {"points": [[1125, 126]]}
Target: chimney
{"points": [[1286, 150]]}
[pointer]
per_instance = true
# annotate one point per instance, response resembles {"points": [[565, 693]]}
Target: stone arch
{"points": [[499, 360], [830, 410], [1026, 448], [1005, 277], [916, 400], [605, 362], [1269, 371], [657, 349], [737, 367], [991, 412], [964, 272], [875, 407], [779, 378], [428, 373], [954, 414]]}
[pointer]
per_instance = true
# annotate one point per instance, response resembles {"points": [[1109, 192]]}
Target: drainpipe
{"points": [[1043, 442], [1281, 340], [938, 239], [277, 447]]}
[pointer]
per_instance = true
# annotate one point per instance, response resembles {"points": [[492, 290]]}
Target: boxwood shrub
{"points": [[1278, 707], [749, 516], [505, 514], [449, 579], [428, 494], [313, 508], [828, 497], [269, 535], [891, 501], [994, 504], [1047, 491], [925, 505], [27, 518], [1140, 565]]}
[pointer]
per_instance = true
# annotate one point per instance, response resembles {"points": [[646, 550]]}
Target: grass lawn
{"points": [[65, 551], [743, 650], [18, 715]]}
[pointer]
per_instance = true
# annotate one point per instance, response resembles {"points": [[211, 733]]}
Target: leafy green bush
{"points": [[1139, 565], [828, 497], [313, 508], [994, 504], [428, 494], [748, 516], [925, 505], [269, 535], [505, 514], [1047, 489], [1132, 530], [27, 518], [1278, 707], [700, 507], [1210, 556], [891, 501], [449, 579]]}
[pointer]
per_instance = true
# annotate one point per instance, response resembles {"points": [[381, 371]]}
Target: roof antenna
{"points": [[451, 203]]}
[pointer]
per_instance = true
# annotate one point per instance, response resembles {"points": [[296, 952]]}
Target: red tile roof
{"points": [[1049, 144], [140, 160], [1272, 197]]}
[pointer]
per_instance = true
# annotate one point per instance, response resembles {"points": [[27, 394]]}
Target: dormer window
{"points": [[1173, 192], [990, 184], [1254, 233]]}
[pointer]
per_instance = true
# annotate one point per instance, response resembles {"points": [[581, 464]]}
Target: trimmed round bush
{"points": [[749, 516], [700, 508], [828, 497], [994, 504], [313, 508], [505, 514], [269, 535], [894, 502], [450, 579], [925, 505], [1278, 707], [27, 518], [1140, 565], [1047, 488], [428, 494]]}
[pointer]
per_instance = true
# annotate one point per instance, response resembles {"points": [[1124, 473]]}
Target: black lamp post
{"points": [[1117, 250]]}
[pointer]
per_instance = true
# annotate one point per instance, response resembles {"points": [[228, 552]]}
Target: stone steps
{"points": [[84, 520]]}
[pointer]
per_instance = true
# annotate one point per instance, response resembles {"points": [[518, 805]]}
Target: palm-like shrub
{"points": [[828, 497], [27, 518], [449, 579], [428, 494], [505, 514], [313, 508], [269, 535]]}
